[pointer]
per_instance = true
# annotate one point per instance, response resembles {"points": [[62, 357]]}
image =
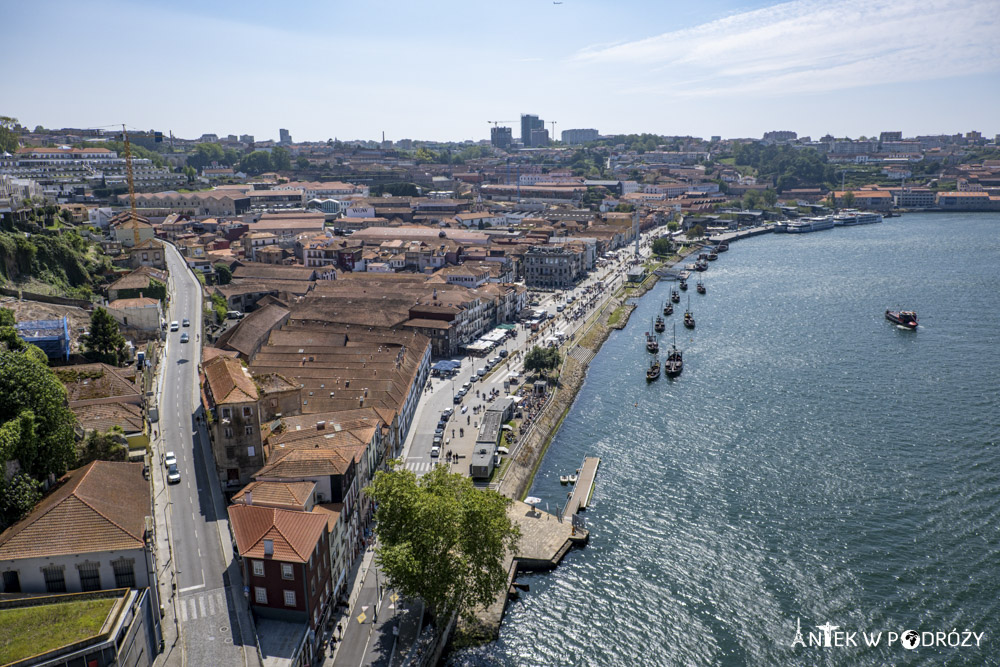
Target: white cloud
{"points": [[814, 46]]}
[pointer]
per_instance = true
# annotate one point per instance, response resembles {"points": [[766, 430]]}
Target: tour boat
{"points": [[653, 373], [675, 360], [668, 309], [700, 287], [712, 256], [659, 325], [652, 345], [684, 286], [903, 318], [689, 316], [675, 296]]}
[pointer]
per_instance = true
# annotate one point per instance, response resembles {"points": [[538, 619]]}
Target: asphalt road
{"points": [[210, 626], [433, 402]]}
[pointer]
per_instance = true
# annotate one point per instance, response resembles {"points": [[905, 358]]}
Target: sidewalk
{"points": [[173, 646]]}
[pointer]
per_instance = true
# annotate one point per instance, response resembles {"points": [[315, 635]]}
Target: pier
{"points": [[742, 234], [580, 497]]}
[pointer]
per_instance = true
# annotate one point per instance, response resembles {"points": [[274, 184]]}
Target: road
{"points": [[199, 527], [417, 448]]}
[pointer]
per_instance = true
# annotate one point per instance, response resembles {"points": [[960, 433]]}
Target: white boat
{"points": [[806, 225], [572, 479], [868, 218], [564, 479]]}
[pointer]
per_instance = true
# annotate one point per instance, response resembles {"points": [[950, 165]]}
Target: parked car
{"points": [[503, 354], [435, 451], [448, 412], [457, 399], [169, 460], [234, 315], [466, 386], [173, 475], [437, 441]]}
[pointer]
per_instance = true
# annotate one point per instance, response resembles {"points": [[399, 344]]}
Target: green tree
{"points": [[204, 155], [190, 172], [441, 539], [542, 359], [17, 497], [847, 201], [625, 207], [105, 342], [751, 199], [230, 156], [695, 232], [662, 246], [7, 318], [223, 273], [36, 426], [256, 163], [8, 138], [302, 163], [673, 225], [770, 197], [281, 159], [108, 446]]}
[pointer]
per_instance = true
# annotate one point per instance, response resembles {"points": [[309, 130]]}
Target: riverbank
{"points": [[578, 353]]}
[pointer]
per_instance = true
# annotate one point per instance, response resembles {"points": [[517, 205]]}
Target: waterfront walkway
{"points": [[584, 487]]}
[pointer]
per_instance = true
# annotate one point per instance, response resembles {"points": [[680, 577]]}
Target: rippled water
{"points": [[813, 462]]}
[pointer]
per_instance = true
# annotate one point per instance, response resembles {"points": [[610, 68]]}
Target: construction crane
{"points": [[497, 122], [553, 130], [131, 188]]}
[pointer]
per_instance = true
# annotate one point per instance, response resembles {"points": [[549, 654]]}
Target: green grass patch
{"points": [[616, 316], [28, 631]]}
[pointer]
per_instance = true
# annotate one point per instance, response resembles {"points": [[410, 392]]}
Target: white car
{"points": [[435, 451], [169, 460], [175, 326], [173, 475]]}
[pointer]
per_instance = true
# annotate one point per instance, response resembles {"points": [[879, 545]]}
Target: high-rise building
{"points": [[286, 137], [529, 123], [579, 136], [539, 137], [501, 137], [891, 136], [246, 138]]}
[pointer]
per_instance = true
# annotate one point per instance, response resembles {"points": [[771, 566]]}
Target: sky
{"points": [[443, 70]]}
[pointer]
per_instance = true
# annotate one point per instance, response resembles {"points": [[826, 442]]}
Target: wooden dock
{"points": [[584, 487]]}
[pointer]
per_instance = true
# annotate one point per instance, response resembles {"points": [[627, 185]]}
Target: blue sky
{"points": [[442, 70]]}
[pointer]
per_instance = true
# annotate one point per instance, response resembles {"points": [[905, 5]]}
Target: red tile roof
{"points": [[100, 507], [294, 534]]}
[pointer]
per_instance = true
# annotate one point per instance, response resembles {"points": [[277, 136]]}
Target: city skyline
{"points": [[847, 68]]}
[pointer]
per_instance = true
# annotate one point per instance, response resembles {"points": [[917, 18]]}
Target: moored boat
{"points": [[700, 287], [564, 479], [653, 372], [684, 286], [701, 265], [675, 296], [689, 316], [724, 246], [659, 325], [712, 256], [652, 345], [675, 360], [903, 318], [668, 309]]}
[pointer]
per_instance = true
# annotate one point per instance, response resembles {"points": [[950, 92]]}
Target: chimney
{"points": [[249, 496], [320, 425], [268, 547]]}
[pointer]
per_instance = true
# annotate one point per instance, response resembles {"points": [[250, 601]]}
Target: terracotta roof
{"points": [[89, 381], [103, 416], [138, 302], [247, 336], [258, 271], [295, 463], [99, 507], [229, 382], [294, 534], [276, 494]]}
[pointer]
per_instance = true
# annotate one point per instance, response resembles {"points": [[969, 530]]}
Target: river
{"points": [[813, 465]]}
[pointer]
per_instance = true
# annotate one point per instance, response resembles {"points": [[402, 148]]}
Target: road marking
{"points": [[211, 606], [184, 611], [201, 605], [192, 588]]}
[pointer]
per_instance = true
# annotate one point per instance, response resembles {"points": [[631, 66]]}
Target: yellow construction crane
{"points": [[133, 216]]}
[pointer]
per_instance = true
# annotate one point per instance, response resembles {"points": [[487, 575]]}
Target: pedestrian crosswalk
{"points": [[419, 466], [202, 605]]}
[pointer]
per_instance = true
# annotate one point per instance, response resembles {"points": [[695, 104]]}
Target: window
{"points": [[289, 598], [90, 576], [225, 412], [124, 573], [250, 451], [260, 594], [229, 432], [287, 572], [258, 568], [312, 585], [11, 582], [55, 581], [248, 429], [248, 412]]}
